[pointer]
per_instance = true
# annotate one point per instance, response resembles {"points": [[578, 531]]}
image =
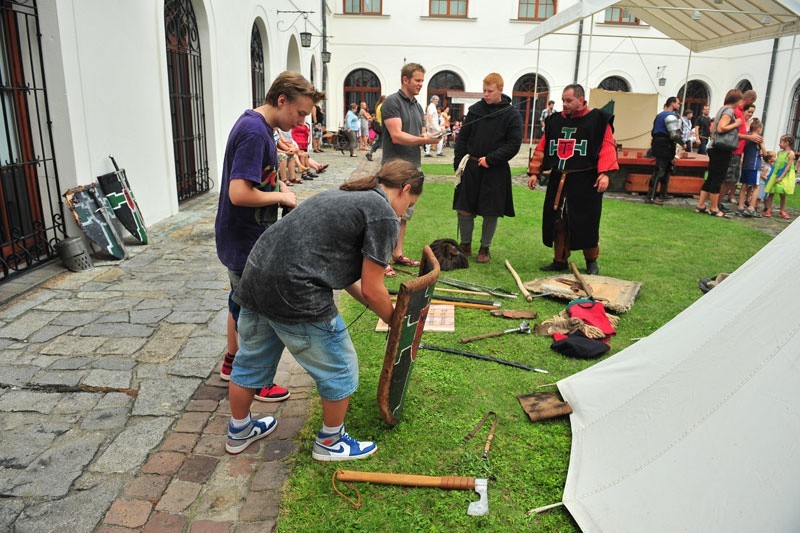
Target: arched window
{"points": [[362, 85], [257, 67], [696, 97], [615, 83], [744, 85], [439, 84], [794, 117], [530, 99], [185, 73]]}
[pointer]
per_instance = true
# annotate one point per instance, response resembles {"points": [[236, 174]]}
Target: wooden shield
{"points": [[405, 331], [118, 191], [95, 217]]}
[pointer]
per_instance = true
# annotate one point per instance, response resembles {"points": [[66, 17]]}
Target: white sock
{"points": [[241, 424], [328, 431]]}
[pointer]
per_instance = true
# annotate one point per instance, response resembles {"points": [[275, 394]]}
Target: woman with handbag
{"points": [[725, 141]]}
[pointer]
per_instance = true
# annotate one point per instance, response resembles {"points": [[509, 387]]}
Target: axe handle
{"points": [[408, 480], [522, 288], [585, 286], [484, 336]]}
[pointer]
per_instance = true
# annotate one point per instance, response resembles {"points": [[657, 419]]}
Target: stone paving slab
{"points": [[112, 413]]}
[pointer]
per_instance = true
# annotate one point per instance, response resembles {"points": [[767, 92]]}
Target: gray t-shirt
{"points": [[319, 247], [410, 113]]}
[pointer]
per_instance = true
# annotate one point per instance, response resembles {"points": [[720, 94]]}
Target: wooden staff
{"points": [[585, 286], [463, 291], [522, 288], [488, 307]]}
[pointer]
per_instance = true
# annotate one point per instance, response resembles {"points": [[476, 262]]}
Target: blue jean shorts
{"points": [[323, 349]]}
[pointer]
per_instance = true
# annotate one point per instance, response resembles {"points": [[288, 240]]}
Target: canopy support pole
{"points": [[589, 56], [686, 83], [535, 99]]}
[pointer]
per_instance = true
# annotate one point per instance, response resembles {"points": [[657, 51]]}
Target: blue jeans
{"points": [[323, 349]]}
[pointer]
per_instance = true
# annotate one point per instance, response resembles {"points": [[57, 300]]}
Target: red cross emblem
{"points": [[566, 148]]}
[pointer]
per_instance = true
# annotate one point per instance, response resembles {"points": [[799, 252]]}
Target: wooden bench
{"points": [[681, 185]]}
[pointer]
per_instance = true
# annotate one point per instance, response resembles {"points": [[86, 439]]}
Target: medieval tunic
{"points": [[493, 131], [573, 145]]}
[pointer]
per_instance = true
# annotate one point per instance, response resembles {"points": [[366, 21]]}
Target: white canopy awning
{"points": [[698, 25]]}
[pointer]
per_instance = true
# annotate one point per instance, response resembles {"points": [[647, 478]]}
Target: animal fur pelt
{"points": [[564, 324], [448, 254]]}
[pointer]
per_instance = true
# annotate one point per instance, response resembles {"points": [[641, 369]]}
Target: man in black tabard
{"points": [[578, 147]]}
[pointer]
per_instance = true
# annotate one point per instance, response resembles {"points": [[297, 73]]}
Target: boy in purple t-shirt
{"points": [[249, 199]]}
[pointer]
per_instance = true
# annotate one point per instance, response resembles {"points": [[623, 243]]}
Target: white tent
{"points": [[698, 25], [697, 427]]}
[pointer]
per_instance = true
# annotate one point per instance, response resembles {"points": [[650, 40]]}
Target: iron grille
{"points": [[31, 208], [257, 67], [184, 68]]}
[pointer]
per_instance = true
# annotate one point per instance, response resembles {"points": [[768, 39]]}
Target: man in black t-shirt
{"points": [[703, 124]]}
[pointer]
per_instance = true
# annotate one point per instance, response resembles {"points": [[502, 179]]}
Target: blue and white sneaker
{"points": [[341, 447], [240, 439]]}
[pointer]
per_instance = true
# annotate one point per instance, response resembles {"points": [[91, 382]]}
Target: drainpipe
{"points": [[769, 80], [324, 44], [578, 52]]}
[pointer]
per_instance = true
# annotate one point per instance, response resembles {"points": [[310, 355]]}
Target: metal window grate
{"points": [[257, 67], [184, 69], [31, 208]]}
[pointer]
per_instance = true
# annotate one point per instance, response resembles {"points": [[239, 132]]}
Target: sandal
{"points": [[323, 167], [784, 215], [767, 213], [718, 214], [702, 210], [389, 272], [405, 261]]}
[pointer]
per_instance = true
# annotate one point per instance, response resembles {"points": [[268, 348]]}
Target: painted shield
{"points": [[566, 148], [95, 217], [118, 191], [405, 331]]}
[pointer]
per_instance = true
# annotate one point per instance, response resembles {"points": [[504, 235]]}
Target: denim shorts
{"points": [[323, 349]]}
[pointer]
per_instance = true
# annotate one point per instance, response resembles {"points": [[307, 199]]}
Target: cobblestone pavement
{"points": [[112, 414]]}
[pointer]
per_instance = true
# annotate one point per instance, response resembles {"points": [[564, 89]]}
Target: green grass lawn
{"points": [[446, 169], [667, 249]]}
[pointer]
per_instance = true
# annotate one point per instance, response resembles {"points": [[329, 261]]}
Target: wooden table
{"points": [[635, 171]]}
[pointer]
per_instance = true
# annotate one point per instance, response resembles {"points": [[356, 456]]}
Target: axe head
{"points": [[480, 507]]}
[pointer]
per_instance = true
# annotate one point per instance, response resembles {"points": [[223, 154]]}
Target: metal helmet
{"points": [[673, 124]]}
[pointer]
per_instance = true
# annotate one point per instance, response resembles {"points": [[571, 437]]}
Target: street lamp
{"points": [[326, 57], [305, 35]]}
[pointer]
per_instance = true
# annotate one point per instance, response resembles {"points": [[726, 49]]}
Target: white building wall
{"points": [[105, 62], [490, 39], [108, 90]]}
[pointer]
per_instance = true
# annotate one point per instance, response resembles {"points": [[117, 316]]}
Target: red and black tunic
{"points": [[583, 147]]}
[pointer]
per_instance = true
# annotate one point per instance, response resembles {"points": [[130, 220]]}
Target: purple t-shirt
{"points": [[250, 154]]}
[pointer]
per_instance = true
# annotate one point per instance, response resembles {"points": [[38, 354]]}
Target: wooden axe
{"points": [[478, 508]]}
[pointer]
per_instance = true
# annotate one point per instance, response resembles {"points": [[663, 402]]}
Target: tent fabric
{"points": [[697, 427], [718, 24]]}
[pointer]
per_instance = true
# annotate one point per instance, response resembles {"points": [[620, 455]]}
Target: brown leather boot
{"points": [[483, 254], [466, 249]]}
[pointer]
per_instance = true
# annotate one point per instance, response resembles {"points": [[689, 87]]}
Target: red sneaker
{"points": [[273, 393], [227, 366]]}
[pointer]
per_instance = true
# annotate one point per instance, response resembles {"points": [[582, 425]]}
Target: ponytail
{"points": [[395, 174]]}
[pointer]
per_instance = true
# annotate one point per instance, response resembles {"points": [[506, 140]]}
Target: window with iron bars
{"points": [[31, 206]]}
